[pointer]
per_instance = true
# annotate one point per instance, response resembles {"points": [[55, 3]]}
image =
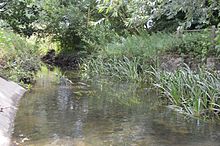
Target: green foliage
{"points": [[166, 14], [197, 45], [143, 45], [78, 25], [128, 57], [20, 58], [217, 47], [68, 23], [21, 16], [148, 46], [111, 32], [194, 93], [97, 37], [130, 14], [115, 68], [190, 13]]}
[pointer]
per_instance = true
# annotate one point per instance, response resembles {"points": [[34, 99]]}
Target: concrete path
{"points": [[10, 94]]}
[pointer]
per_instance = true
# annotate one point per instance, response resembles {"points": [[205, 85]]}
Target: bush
{"points": [[143, 45], [21, 59], [195, 45]]}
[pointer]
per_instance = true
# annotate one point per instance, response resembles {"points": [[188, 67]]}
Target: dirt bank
{"points": [[64, 61], [10, 94]]}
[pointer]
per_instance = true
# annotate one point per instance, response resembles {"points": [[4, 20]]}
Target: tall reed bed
{"points": [[125, 59], [194, 93]]}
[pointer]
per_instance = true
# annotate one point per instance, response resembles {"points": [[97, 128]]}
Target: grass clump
{"points": [[194, 93], [119, 68], [150, 45]]}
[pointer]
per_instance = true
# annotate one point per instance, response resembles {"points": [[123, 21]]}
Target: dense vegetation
{"points": [[18, 58], [126, 40]]}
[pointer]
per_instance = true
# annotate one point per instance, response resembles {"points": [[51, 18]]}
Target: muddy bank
{"points": [[173, 62], [64, 61], [10, 94]]}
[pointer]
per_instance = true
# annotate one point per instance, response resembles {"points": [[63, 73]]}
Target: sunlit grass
{"points": [[127, 57]]}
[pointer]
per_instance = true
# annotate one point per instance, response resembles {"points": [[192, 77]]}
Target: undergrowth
{"points": [[131, 59], [19, 59], [128, 57]]}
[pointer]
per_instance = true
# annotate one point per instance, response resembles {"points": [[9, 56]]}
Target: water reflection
{"points": [[107, 113]]}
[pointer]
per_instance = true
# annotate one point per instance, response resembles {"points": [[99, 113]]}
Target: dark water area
{"points": [[102, 113]]}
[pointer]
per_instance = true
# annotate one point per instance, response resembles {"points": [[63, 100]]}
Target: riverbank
{"points": [[10, 94], [19, 58], [19, 62], [183, 70], [64, 61]]}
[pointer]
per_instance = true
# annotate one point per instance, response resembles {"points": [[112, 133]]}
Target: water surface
{"points": [[102, 113]]}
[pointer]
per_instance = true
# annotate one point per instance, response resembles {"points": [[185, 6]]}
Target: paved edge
{"points": [[10, 94]]}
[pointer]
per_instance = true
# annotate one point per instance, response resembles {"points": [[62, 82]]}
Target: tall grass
{"points": [[124, 59], [194, 93], [149, 45], [128, 57], [143, 45], [118, 68]]}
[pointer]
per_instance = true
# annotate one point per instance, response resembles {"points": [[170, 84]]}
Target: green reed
{"points": [[195, 93]]}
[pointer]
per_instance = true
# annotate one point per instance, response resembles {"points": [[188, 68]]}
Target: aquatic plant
{"points": [[194, 93], [122, 69]]}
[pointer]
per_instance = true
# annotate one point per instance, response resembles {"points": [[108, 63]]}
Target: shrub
{"points": [[21, 58]]}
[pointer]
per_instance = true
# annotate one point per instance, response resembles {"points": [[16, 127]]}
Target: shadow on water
{"points": [[102, 113]]}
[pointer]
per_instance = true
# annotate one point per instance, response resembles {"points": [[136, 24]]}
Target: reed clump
{"points": [[194, 93]]}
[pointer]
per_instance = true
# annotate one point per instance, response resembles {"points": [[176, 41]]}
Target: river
{"points": [[102, 112]]}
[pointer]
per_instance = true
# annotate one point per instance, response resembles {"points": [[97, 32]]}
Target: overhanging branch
{"points": [[2, 6]]}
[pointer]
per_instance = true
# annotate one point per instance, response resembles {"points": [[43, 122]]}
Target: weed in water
{"points": [[195, 93]]}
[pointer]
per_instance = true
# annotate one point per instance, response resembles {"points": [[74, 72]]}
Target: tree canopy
{"points": [[72, 21]]}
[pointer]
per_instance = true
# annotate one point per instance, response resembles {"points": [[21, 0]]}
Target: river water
{"points": [[102, 113]]}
